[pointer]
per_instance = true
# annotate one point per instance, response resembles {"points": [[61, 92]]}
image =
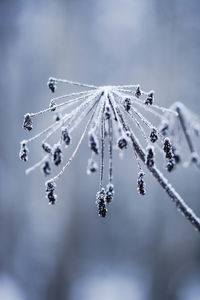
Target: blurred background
{"points": [[144, 249]]}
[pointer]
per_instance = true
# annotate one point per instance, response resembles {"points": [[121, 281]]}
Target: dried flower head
{"points": [[23, 153], [28, 124], [141, 183], [112, 113]]}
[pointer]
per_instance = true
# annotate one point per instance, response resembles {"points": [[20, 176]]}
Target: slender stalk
{"points": [[75, 83], [102, 147], [110, 133], [175, 197]]}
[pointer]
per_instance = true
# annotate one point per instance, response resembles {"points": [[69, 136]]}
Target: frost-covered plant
{"points": [[183, 127], [111, 113]]}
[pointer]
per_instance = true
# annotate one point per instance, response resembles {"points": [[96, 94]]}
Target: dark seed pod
{"points": [[46, 147], [51, 85], [109, 192], [138, 92], [57, 154], [57, 117], [65, 136], [167, 147], [122, 143], [141, 183], [170, 164], [150, 99], [46, 168], [107, 113], [127, 104], [50, 188], [92, 166], [23, 153], [100, 200], [153, 135], [28, 124], [93, 142], [150, 157], [52, 105]]}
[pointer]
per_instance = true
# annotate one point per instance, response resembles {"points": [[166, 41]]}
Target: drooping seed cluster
{"points": [[111, 113]]}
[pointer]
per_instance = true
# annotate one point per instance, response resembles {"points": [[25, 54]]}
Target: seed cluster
{"points": [[141, 183], [57, 155], [50, 188], [23, 154], [101, 204], [153, 135], [28, 124], [150, 157], [107, 110]]}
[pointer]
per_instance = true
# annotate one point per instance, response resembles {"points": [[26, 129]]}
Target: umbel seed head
{"points": [[138, 92], [127, 104], [52, 105], [52, 84], [65, 136], [109, 193], [153, 135], [57, 155], [50, 188], [46, 147], [122, 143], [167, 147], [141, 183], [170, 164], [28, 124], [100, 200], [150, 157], [150, 98], [23, 153]]}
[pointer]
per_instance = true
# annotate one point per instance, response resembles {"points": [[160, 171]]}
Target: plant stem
{"points": [[175, 197]]}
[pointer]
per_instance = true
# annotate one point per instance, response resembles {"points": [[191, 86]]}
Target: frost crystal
{"points": [[111, 114]]}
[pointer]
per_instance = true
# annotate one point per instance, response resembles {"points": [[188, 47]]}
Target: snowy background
{"points": [[144, 250]]}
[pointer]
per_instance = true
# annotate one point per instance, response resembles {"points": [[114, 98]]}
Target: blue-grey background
{"points": [[144, 249]]}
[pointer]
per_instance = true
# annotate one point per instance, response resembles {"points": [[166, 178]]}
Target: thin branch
{"points": [[75, 83], [175, 197]]}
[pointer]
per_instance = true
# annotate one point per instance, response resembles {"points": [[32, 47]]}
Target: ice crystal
{"points": [[112, 113]]}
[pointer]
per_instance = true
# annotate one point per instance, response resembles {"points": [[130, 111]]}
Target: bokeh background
{"points": [[144, 249]]}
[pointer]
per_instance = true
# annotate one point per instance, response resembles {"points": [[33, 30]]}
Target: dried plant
{"points": [[111, 113]]}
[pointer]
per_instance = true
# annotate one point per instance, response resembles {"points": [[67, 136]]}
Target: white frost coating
{"points": [[108, 112], [163, 109], [35, 166]]}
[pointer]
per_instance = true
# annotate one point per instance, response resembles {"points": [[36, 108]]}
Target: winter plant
{"points": [[111, 113]]}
